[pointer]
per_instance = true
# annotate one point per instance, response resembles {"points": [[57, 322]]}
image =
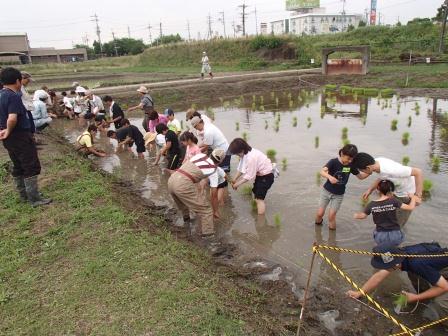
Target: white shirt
{"points": [[67, 102], [204, 165], [27, 100], [214, 138], [160, 140], [205, 60], [218, 177], [397, 173], [97, 104]]}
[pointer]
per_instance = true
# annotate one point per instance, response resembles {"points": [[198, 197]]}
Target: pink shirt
{"points": [[153, 123], [254, 163], [191, 151]]}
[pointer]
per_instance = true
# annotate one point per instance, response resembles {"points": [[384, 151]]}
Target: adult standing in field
{"points": [[116, 113], [254, 165], [408, 181], [27, 99], [146, 104], [206, 68], [16, 133], [213, 138], [182, 187]]}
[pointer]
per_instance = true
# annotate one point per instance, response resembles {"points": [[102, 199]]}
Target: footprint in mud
{"points": [[328, 318]]}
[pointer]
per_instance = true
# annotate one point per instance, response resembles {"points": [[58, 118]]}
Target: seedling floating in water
{"points": [[400, 302], [435, 162], [284, 164], [245, 136], [266, 125], [344, 133], [316, 142], [253, 205], [405, 138], [271, 153], [277, 220], [427, 187], [310, 122], [393, 125], [409, 121], [246, 190], [405, 160], [294, 122], [237, 126], [318, 178]]}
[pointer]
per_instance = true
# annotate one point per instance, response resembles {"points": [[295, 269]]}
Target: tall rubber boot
{"points": [[20, 185], [32, 192]]}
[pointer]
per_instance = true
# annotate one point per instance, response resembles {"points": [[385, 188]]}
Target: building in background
{"points": [[308, 18], [15, 48]]}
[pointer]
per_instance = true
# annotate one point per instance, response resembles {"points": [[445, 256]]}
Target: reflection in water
{"points": [[295, 194]]}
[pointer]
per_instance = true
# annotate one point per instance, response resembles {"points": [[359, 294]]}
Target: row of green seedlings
{"points": [[435, 162], [394, 123], [371, 92]]}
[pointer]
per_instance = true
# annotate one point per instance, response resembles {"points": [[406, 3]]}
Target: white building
{"points": [[315, 23]]}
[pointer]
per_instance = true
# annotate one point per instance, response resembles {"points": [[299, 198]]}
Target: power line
{"points": [[256, 21], [98, 31], [189, 32], [129, 32], [209, 24], [223, 21], [115, 43], [243, 17], [149, 31]]}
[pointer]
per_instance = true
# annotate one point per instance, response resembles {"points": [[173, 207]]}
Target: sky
{"points": [[60, 24]]}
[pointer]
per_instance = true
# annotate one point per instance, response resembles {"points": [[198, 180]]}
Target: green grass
{"points": [[79, 266]]}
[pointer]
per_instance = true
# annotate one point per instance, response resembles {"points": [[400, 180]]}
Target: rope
{"points": [[432, 324], [405, 329], [338, 249]]}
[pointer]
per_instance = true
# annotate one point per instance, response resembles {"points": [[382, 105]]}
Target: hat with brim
{"points": [[218, 154], [142, 89], [195, 121], [386, 260], [149, 137], [80, 89], [27, 75]]}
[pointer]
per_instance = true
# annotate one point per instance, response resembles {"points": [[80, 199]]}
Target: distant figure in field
{"points": [[206, 68]]}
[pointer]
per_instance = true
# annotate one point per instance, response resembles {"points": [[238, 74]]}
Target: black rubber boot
{"points": [[20, 185], [32, 192]]}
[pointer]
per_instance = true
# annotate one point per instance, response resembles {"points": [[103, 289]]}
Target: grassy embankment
{"points": [[268, 53], [90, 264]]}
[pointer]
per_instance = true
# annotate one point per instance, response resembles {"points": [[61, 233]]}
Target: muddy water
{"points": [[288, 231]]}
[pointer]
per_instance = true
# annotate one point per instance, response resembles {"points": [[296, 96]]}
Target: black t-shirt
{"points": [[11, 103], [384, 214], [130, 131], [172, 137], [428, 268], [117, 111], [341, 173]]}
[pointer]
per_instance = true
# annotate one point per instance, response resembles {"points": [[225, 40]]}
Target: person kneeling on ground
{"points": [[384, 213], [407, 180], [41, 117], [85, 142], [425, 273], [128, 135], [171, 148], [254, 164], [182, 187]]}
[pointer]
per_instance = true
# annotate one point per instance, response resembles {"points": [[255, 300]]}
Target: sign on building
{"points": [[302, 4]]}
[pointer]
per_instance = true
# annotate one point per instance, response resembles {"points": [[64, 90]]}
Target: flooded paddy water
{"points": [[305, 129]]}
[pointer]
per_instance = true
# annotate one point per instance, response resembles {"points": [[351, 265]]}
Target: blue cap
{"points": [[168, 111]]}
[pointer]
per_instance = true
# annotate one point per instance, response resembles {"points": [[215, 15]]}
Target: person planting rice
{"points": [[384, 213], [254, 164], [84, 142], [127, 135], [407, 180], [337, 172], [171, 149]]}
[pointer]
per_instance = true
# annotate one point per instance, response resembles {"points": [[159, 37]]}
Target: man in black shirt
{"points": [[128, 135], [116, 112], [16, 134], [171, 148]]}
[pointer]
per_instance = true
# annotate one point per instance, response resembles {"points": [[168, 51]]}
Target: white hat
{"points": [[80, 89], [195, 121], [75, 84], [88, 92], [204, 53], [218, 154], [41, 94], [142, 89]]}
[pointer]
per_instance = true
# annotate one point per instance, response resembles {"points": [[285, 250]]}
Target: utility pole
{"points": [[442, 34], [243, 16], [223, 21], [115, 43], [189, 31], [98, 31], [234, 29], [129, 32], [209, 24], [256, 21], [149, 31]]}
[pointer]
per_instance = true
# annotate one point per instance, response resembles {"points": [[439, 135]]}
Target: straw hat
{"points": [[149, 137], [143, 89]]}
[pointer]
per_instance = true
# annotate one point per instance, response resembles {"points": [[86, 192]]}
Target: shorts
{"points": [[140, 147], [206, 68], [394, 237], [223, 185], [225, 164], [403, 215], [261, 186], [329, 199]]}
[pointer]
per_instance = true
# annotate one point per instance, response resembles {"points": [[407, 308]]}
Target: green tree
{"points": [[90, 51], [123, 46], [167, 39], [439, 15], [362, 23]]}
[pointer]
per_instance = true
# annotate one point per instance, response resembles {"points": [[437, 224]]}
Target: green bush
{"points": [[252, 63], [387, 93], [371, 92], [263, 41]]}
